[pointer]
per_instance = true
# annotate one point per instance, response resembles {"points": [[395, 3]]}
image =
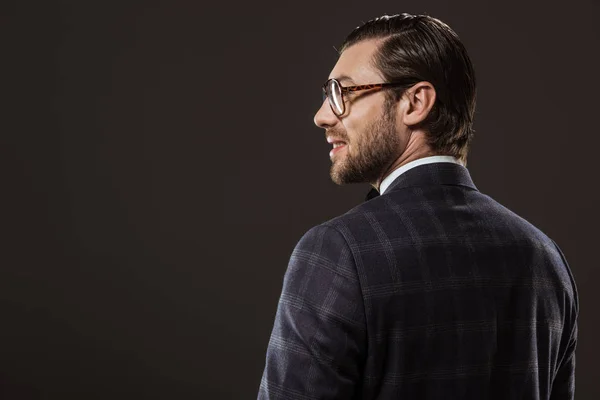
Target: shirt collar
{"points": [[385, 183]]}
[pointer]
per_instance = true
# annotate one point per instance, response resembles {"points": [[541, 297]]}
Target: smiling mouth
{"points": [[337, 146]]}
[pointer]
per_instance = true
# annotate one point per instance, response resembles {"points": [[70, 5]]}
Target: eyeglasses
{"points": [[334, 91]]}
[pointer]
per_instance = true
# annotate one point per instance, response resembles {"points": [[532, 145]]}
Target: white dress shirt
{"points": [[403, 168]]}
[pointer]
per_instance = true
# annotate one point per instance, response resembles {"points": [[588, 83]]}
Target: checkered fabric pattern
{"points": [[432, 290]]}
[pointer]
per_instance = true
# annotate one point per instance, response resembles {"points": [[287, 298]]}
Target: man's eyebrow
{"points": [[345, 78]]}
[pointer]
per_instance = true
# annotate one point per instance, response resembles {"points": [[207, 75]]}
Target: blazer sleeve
{"points": [[563, 385], [317, 345]]}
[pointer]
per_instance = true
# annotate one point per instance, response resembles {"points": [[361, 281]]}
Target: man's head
{"points": [[430, 112]]}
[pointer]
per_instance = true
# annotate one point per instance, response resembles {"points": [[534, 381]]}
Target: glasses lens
{"points": [[335, 97]]}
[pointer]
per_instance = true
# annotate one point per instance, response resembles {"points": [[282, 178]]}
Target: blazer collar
{"points": [[440, 173]]}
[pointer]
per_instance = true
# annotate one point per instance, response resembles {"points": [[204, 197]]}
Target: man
{"points": [[430, 289]]}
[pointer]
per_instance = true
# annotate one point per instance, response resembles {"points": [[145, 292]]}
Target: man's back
{"points": [[441, 293]]}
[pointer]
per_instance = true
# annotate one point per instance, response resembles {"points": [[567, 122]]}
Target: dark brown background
{"points": [[159, 163]]}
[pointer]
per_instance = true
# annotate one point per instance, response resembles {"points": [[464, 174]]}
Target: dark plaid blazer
{"points": [[432, 290]]}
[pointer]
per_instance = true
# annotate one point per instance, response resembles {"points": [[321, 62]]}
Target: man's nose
{"points": [[325, 118]]}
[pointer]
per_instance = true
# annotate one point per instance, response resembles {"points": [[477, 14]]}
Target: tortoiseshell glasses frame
{"points": [[334, 91]]}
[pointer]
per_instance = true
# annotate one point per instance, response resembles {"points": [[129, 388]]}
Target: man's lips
{"points": [[337, 146], [332, 140]]}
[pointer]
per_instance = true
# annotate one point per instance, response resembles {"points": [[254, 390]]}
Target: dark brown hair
{"points": [[423, 48]]}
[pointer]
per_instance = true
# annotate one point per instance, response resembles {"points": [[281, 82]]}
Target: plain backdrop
{"points": [[159, 162]]}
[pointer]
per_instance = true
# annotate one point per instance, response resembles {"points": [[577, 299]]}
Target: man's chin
{"points": [[336, 176], [340, 177]]}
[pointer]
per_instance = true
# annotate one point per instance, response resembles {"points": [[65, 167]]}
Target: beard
{"points": [[375, 149]]}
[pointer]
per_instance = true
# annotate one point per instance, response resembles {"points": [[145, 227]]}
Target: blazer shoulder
{"points": [[325, 239]]}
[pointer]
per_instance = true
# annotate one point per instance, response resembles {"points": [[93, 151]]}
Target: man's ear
{"points": [[419, 100]]}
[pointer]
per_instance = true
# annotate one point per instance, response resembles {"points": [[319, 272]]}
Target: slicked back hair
{"points": [[417, 48]]}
